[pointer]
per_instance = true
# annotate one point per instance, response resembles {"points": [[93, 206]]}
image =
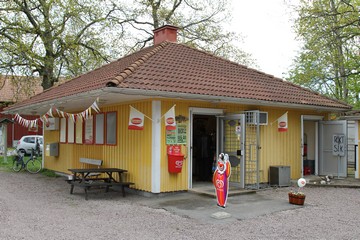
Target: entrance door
{"points": [[333, 152], [232, 140], [239, 138]]}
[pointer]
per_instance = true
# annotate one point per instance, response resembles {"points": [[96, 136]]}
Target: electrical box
{"points": [[52, 149], [279, 176]]}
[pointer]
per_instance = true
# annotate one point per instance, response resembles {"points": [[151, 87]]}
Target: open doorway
{"points": [[310, 149], [204, 147]]}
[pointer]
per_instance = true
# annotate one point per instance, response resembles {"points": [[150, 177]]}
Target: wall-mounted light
{"points": [[181, 118]]}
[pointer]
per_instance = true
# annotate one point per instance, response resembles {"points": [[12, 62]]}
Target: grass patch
{"points": [[7, 167], [48, 173]]}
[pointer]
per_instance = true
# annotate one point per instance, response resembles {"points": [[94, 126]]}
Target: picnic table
{"points": [[82, 178]]}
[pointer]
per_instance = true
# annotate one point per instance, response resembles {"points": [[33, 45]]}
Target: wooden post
{"points": [[4, 122], [5, 141]]}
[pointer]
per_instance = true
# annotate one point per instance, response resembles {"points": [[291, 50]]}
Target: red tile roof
{"points": [[176, 68]]}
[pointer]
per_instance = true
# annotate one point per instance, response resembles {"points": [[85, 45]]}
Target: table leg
{"points": [[71, 188], [120, 176], [123, 190], [86, 194], [122, 186]]}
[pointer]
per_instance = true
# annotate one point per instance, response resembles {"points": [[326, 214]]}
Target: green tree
{"points": [[56, 39], [329, 61], [201, 25], [53, 38]]}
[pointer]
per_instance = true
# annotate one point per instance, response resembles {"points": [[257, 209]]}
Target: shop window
{"points": [[99, 128], [111, 128], [79, 132], [63, 130], [71, 132], [89, 130]]}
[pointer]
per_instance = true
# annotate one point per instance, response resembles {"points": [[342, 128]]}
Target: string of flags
{"points": [[136, 118], [54, 112]]}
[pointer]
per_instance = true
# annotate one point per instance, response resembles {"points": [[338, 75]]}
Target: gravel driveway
{"points": [[39, 207]]}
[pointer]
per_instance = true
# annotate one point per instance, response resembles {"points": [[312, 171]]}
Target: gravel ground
{"points": [[39, 207]]}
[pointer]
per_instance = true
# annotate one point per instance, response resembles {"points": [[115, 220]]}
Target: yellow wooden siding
{"points": [[173, 181], [133, 150]]}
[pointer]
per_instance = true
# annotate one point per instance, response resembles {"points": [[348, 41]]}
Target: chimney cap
{"points": [[166, 26], [165, 33]]}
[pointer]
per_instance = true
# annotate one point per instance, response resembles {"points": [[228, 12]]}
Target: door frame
{"points": [[316, 119], [199, 111]]}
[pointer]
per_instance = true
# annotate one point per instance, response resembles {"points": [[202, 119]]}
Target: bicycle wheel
{"points": [[33, 165], [17, 164]]}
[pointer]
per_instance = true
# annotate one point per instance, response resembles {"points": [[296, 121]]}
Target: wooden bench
{"points": [[122, 185], [88, 184]]}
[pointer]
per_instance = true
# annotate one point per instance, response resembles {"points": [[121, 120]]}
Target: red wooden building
{"points": [[16, 89]]}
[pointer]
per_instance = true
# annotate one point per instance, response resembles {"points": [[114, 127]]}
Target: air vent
{"points": [[252, 117]]}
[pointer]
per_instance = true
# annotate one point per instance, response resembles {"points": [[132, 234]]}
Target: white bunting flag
{"points": [[170, 122], [136, 119], [283, 123]]}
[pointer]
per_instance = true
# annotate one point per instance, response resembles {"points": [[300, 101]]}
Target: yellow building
{"points": [[262, 122]]}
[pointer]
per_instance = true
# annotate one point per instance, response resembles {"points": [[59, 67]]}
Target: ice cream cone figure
{"points": [[221, 179]]}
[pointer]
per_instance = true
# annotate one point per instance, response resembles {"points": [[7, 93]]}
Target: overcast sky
{"points": [[267, 29]]}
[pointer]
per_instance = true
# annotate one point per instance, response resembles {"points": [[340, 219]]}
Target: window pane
{"points": [[70, 131], [111, 128], [63, 130], [99, 130], [79, 131], [89, 130]]}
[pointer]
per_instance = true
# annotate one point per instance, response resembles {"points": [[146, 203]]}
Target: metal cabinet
{"points": [[279, 176]]}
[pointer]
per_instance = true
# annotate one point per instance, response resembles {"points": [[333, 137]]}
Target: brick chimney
{"points": [[165, 33]]}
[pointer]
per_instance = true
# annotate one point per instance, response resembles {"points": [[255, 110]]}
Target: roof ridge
{"points": [[135, 65]]}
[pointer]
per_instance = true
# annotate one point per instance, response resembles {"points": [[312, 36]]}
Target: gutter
{"points": [[218, 99]]}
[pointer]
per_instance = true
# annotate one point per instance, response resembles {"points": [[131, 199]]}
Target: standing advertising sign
{"points": [[221, 179]]}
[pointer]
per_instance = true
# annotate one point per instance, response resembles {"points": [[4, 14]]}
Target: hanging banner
{"points": [[283, 123], [170, 122], [54, 112], [136, 119]]}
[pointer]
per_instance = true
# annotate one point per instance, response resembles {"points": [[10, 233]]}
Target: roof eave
{"points": [[47, 104], [219, 99], [174, 95]]}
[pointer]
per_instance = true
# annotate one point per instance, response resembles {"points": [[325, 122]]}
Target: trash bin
{"points": [[175, 163]]}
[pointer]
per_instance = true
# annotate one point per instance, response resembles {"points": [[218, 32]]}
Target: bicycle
{"points": [[32, 165]]}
